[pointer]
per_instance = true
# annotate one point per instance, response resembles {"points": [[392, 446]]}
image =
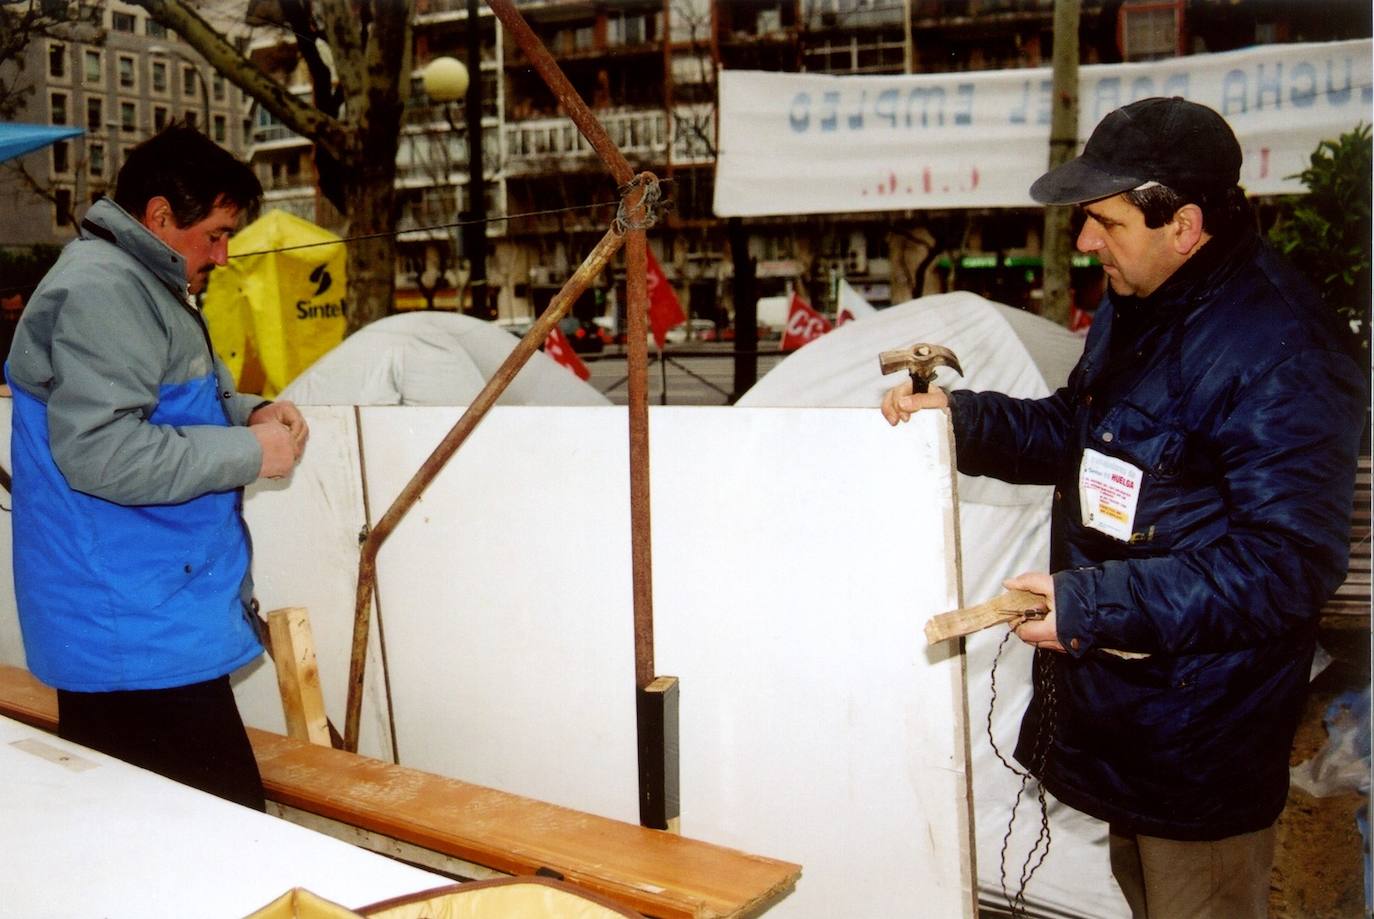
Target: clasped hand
{"points": [[281, 432]]}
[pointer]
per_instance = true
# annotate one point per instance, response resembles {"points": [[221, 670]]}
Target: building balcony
{"points": [[543, 145]]}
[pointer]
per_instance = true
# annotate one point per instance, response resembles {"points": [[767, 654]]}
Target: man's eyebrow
{"points": [[1097, 216]]}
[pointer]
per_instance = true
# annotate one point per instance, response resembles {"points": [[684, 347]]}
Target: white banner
{"points": [[799, 143]]}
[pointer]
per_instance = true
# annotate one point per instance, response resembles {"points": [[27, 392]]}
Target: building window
{"points": [[61, 207], [220, 129], [128, 117], [159, 76], [188, 81], [123, 22], [95, 159], [57, 112], [155, 29], [57, 61], [192, 118], [1150, 31], [126, 72], [95, 114], [91, 65], [61, 159], [217, 87], [159, 117]]}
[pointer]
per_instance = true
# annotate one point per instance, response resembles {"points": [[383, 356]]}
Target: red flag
{"points": [[561, 350], [664, 309], [803, 325]]}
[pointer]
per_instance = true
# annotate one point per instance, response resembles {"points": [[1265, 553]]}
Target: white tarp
{"points": [[804, 143], [1004, 530], [432, 358]]}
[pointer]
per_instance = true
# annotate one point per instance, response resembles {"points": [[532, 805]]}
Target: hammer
{"points": [[920, 360]]}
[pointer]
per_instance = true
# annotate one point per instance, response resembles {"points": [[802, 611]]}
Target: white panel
{"points": [[506, 593], [92, 836], [793, 574], [796, 554]]}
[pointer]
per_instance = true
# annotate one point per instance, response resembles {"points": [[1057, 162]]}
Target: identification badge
{"points": [[1107, 492]]}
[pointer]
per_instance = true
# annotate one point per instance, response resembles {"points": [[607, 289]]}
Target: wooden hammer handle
{"points": [[1006, 607]]}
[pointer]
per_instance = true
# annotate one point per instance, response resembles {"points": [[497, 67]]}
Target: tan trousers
{"points": [[1168, 879]]}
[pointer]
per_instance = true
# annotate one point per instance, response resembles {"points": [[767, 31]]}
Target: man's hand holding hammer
{"points": [[900, 403]]}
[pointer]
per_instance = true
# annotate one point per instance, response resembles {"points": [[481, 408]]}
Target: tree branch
{"points": [[332, 135]]}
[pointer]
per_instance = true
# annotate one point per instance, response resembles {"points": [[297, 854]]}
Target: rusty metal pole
{"points": [[656, 699], [582, 278], [639, 217]]}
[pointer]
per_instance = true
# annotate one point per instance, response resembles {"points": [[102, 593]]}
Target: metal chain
{"points": [[1045, 685]]}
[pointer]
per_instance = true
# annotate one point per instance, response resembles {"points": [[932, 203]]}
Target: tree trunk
{"points": [[371, 200], [1057, 246]]}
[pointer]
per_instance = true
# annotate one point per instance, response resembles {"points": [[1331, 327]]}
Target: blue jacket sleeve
{"points": [[1022, 441], [1287, 454]]}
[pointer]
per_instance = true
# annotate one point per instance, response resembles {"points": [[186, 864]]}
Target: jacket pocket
{"points": [[1159, 450]]}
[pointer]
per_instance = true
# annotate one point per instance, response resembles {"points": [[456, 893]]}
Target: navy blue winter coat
{"points": [[1229, 391]]}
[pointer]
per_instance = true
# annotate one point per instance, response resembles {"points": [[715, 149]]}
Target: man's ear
{"points": [[157, 214], [1188, 230]]}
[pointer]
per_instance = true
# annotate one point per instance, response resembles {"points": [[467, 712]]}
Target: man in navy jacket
{"points": [[1203, 455]]}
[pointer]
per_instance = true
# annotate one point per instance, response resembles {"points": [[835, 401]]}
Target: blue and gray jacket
{"points": [[131, 558]]}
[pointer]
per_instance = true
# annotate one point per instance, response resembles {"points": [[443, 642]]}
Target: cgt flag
{"points": [[664, 309], [803, 325], [557, 346]]}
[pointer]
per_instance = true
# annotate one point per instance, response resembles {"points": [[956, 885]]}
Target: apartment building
{"points": [[120, 76]]}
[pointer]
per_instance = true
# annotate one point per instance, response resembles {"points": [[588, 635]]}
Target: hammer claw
{"points": [[920, 360]]}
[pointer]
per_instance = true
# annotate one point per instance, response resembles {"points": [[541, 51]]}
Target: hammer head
{"points": [[920, 360]]}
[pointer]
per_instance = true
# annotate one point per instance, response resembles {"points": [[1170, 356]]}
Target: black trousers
{"points": [[190, 734]]}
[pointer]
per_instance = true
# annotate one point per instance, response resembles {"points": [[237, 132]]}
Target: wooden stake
{"points": [[298, 675], [1006, 607]]}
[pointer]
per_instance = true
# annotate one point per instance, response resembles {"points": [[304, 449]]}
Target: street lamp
{"points": [[200, 78], [446, 80]]}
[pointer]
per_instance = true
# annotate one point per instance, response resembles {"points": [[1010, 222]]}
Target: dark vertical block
{"points": [[656, 707]]}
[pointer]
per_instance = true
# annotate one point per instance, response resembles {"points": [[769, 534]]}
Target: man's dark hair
{"points": [[188, 169], [1223, 210]]}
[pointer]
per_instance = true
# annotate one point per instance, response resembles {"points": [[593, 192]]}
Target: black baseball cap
{"points": [[1174, 142]]}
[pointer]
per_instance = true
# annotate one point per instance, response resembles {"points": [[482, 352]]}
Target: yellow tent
{"points": [[274, 309]]}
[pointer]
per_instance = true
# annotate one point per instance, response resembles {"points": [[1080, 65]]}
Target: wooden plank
{"points": [[654, 872], [298, 675], [1005, 607]]}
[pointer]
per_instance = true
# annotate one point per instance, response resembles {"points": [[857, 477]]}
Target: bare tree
{"points": [[360, 86]]}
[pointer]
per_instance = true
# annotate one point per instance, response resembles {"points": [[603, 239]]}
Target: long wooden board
{"points": [[654, 872]]}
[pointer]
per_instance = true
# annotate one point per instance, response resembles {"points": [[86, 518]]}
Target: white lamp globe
{"points": [[445, 79]]}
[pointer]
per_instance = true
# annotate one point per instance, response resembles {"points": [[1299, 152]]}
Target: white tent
{"points": [[432, 358], [1004, 530]]}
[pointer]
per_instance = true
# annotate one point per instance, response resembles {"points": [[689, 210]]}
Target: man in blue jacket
{"points": [[131, 449], [1203, 455]]}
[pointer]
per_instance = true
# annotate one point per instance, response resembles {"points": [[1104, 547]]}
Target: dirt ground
{"points": [[1318, 864]]}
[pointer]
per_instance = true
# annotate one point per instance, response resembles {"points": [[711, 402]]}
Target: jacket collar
{"points": [[110, 222], [1194, 280], [1127, 321]]}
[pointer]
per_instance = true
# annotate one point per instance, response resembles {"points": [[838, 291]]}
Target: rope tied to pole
{"points": [[640, 212]]}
